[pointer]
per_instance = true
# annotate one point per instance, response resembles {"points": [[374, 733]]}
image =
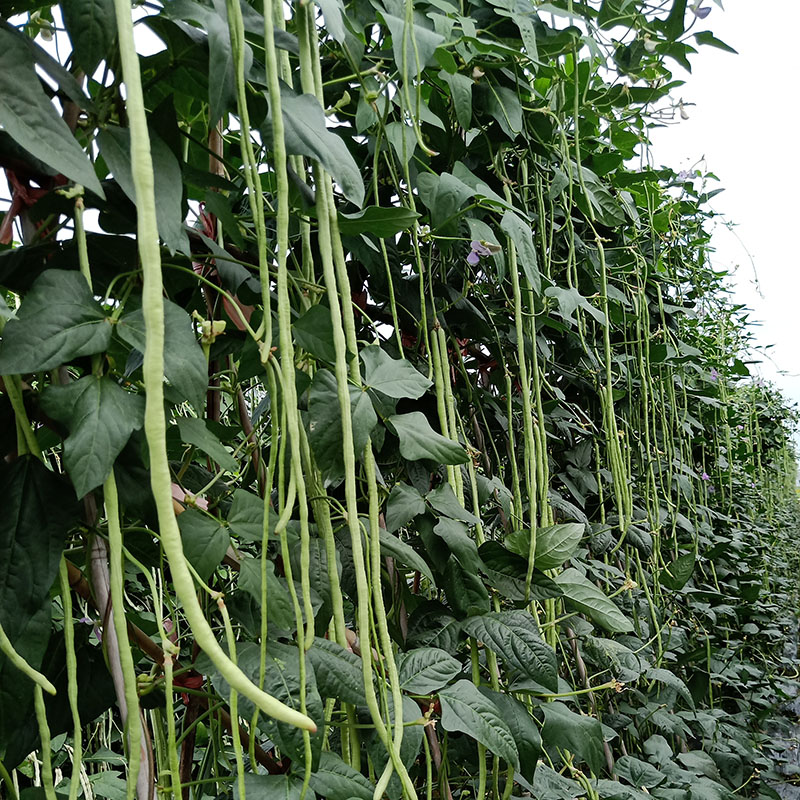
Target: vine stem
{"points": [[153, 373]]}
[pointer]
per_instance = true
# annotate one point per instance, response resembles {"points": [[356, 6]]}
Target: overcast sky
{"points": [[743, 128]]}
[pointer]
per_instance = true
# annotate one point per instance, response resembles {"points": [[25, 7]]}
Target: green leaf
{"points": [[115, 147], [461, 95], [576, 733], [32, 121], [570, 299], [551, 785], [466, 710], [332, 12], [443, 194], [460, 544], [59, 320], [339, 672], [589, 600], [504, 105], [420, 45], [638, 773], [221, 76], [271, 787], [708, 38], [37, 511], [378, 221], [314, 332], [184, 363], [336, 780], [557, 544], [674, 23], [92, 28], [205, 541], [246, 517], [404, 503], [465, 590], [673, 681], [100, 417], [307, 135], [514, 636], [418, 440], [280, 610], [108, 784], [444, 501], [402, 139], [405, 554], [325, 423], [521, 235], [523, 728], [676, 574], [426, 670], [195, 432], [392, 376]]}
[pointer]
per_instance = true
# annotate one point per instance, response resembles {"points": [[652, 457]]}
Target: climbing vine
{"points": [[375, 422]]}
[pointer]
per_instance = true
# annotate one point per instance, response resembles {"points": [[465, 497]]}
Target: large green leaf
{"points": [[514, 636], [314, 332], [391, 376], [378, 221], [404, 554], [638, 773], [271, 787], [588, 599], [100, 417], [557, 544], [221, 77], [115, 147], [676, 574], [339, 673], [420, 44], [194, 431], [205, 541], [466, 710], [521, 235], [280, 609], [460, 544], [404, 503], [92, 28], [184, 363], [426, 670], [523, 728], [325, 423], [576, 733], [29, 117], [246, 516], [37, 511], [418, 440], [336, 780], [308, 135], [58, 320], [443, 194]]}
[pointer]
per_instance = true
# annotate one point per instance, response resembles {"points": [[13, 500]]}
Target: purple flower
{"points": [[701, 13], [479, 251], [714, 375], [684, 175], [705, 476]]}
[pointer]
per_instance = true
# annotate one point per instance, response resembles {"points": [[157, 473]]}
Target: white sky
{"points": [[744, 126]]}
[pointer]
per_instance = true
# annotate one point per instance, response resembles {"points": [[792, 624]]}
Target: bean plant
{"points": [[376, 423]]}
